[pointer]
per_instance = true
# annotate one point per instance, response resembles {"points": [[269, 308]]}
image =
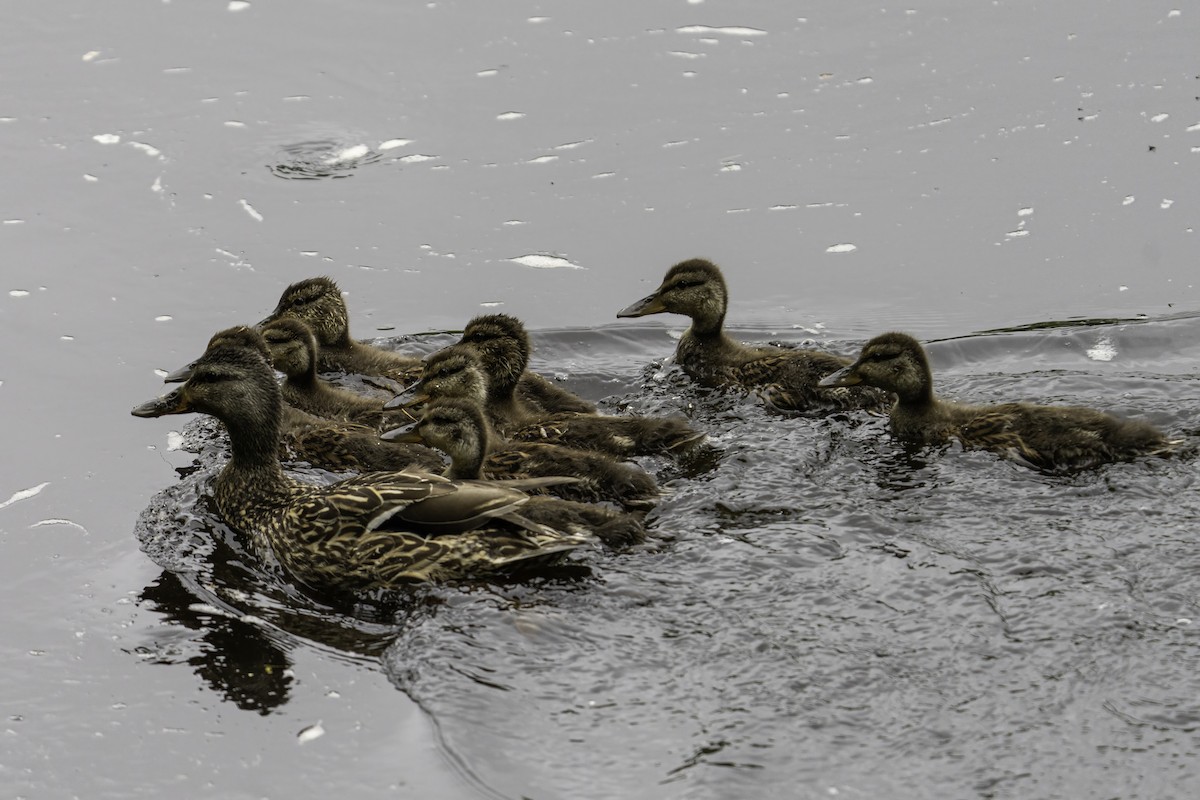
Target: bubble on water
{"points": [[841, 248], [510, 115], [107, 138], [544, 261]]}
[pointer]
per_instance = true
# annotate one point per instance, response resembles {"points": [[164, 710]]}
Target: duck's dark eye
{"points": [[880, 356], [208, 377]]}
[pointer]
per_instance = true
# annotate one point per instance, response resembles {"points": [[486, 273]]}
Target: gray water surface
{"points": [[821, 612]]}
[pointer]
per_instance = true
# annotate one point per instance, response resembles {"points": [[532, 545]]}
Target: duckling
{"points": [[458, 372], [318, 303], [495, 337], [786, 379], [332, 445], [293, 351], [1046, 437], [459, 428], [377, 530]]}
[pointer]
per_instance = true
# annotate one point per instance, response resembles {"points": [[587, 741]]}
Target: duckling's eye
{"points": [[477, 336], [881, 356], [208, 377], [687, 284]]}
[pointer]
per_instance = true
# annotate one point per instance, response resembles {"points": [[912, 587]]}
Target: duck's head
{"points": [[292, 346], [456, 426], [229, 382], [318, 303], [242, 336], [503, 346], [894, 362], [695, 288], [452, 372]]}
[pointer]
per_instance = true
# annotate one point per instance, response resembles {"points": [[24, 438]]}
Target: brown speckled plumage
{"points": [[375, 530]]}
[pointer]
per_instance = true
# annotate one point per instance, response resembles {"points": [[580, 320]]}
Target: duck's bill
{"points": [[413, 396], [173, 403], [182, 374], [846, 376], [405, 433], [269, 318], [647, 305]]}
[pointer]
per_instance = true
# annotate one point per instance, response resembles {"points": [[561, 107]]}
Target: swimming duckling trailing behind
{"points": [[1047, 437], [375, 531], [461, 430], [787, 379]]}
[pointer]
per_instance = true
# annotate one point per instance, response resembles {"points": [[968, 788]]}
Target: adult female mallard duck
{"points": [[458, 371], [318, 303], [460, 429], [293, 351], [787, 379], [324, 443], [1046, 437], [500, 336], [375, 531]]}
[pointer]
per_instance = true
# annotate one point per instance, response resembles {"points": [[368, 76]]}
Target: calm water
{"points": [[820, 613]]}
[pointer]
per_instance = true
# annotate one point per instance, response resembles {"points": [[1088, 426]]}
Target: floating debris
{"points": [[306, 735], [24, 494], [841, 248], [543, 261]]}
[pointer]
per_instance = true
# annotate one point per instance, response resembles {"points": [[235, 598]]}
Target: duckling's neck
{"points": [[467, 463], [707, 323]]}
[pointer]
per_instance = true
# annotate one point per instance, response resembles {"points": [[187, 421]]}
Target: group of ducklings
{"points": [[534, 471]]}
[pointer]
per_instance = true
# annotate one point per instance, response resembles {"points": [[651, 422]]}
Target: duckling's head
{"points": [[234, 384], [894, 362], [453, 372], [238, 336], [695, 288], [456, 426], [318, 303], [292, 347], [503, 346]]}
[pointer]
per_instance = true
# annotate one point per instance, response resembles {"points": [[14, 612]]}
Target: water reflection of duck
{"points": [[1048, 437], [318, 303], [329, 444], [458, 427], [503, 358], [787, 379], [375, 530]]}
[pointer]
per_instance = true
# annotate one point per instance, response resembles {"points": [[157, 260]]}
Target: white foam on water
{"points": [[543, 261]]}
